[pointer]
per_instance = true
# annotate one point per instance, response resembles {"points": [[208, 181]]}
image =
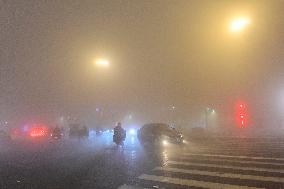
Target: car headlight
{"points": [[165, 142], [132, 132]]}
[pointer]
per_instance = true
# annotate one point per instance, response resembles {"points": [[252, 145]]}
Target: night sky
{"points": [[162, 53]]}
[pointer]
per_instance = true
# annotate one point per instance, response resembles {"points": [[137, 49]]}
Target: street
{"points": [[73, 163], [199, 83], [220, 163], [97, 163]]}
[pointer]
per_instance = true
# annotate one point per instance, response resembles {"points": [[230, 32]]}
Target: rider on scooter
{"points": [[119, 132]]}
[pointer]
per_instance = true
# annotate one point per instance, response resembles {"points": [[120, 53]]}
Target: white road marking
{"points": [[234, 149], [192, 183], [130, 187], [241, 143], [231, 161], [209, 165], [223, 175], [230, 156]]}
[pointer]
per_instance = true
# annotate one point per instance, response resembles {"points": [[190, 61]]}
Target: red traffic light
{"points": [[241, 114]]}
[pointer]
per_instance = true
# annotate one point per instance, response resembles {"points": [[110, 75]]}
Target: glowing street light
{"points": [[208, 111], [239, 24], [102, 62], [165, 143]]}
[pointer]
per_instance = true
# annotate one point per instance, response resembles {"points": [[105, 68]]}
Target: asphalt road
{"points": [[221, 162], [97, 163], [71, 163]]}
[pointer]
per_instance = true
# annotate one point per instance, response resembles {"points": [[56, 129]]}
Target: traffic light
{"points": [[241, 114]]}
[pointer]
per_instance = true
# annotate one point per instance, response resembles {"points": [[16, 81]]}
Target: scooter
{"points": [[118, 139]]}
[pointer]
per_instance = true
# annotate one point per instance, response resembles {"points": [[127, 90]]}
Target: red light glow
{"points": [[241, 114], [16, 131], [38, 131]]}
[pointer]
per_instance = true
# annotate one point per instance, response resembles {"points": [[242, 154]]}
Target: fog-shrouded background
{"points": [[169, 60]]}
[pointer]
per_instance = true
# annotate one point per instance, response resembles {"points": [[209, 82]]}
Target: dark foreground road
{"points": [[90, 163], [97, 163]]}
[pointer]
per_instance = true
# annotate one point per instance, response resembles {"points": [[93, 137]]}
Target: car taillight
{"points": [[38, 132]]}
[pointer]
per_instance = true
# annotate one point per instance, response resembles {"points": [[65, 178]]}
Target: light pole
{"points": [[208, 111], [173, 108]]}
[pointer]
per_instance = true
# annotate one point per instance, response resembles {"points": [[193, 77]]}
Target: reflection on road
{"points": [[88, 162]]}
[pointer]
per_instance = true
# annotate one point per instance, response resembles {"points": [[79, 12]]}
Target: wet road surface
{"points": [[230, 163], [97, 163], [66, 164]]}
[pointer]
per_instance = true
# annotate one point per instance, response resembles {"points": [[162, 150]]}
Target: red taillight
{"points": [[38, 131]]}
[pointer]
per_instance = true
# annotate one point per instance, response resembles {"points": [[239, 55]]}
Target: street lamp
{"points": [[102, 62], [208, 111], [239, 24]]}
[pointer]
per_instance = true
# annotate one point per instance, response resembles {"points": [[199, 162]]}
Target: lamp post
{"points": [[208, 111]]}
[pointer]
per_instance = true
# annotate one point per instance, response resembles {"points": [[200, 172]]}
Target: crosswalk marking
{"points": [[192, 183], [224, 175], [230, 156], [232, 161], [130, 187], [220, 167], [230, 151], [241, 143], [209, 165], [230, 148]]}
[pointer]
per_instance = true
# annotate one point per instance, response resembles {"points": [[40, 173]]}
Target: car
{"points": [[56, 133], [30, 131], [159, 132], [79, 131], [38, 131]]}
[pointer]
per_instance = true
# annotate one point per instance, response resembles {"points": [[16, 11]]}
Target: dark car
{"points": [[57, 133], [159, 132], [77, 130]]}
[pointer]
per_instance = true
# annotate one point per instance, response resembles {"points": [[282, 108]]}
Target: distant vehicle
{"points": [[79, 131], [99, 131], [56, 133], [159, 132], [17, 134], [29, 131], [38, 132]]}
